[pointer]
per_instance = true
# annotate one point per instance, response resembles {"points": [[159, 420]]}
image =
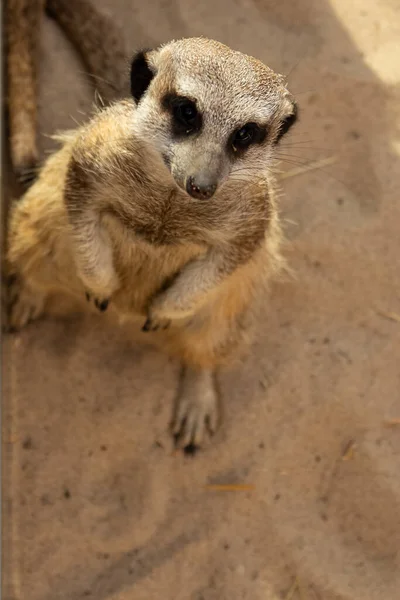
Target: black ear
{"points": [[141, 75], [287, 122]]}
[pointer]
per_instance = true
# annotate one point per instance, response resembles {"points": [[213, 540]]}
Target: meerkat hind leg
{"points": [[197, 407]]}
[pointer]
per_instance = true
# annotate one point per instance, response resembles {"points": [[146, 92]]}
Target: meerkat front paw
{"points": [[23, 304], [164, 310], [197, 410], [100, 303], [100, 292], [152, 324]]}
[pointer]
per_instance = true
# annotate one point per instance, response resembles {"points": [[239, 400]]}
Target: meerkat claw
{"points": [[197, 413], [153, 325], [101, 305]]}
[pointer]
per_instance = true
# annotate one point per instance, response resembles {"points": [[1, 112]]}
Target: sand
{"points": [[96, 504]]}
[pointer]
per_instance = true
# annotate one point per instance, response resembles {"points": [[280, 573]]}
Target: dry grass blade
{"points": [[392, 422], [389, 315], [348, 453]]}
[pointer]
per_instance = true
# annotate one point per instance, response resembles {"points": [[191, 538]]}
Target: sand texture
{"points": [[96, 505]]}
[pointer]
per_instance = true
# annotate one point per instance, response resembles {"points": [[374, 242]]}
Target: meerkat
{"points": [[162, 207], [94, 36]]}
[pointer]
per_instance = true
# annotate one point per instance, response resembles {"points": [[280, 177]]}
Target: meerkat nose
{"points": [[200, 188]]}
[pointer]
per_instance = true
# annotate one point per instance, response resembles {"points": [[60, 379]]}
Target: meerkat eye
{"points": [[186, 118], [245, 136], [185, 113]]}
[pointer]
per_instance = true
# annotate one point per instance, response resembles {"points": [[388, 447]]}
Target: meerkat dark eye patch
{"points": [[246, 136], [141, 75], [287, 123], [186, 119]]}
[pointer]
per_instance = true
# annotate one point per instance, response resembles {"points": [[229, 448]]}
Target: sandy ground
{"points": [[96, 506]]}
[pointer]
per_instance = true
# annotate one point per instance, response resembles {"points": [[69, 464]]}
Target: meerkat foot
{"points": [[23, 304], [197, 409]]}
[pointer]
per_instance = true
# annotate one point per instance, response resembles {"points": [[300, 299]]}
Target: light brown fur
{"points": [[106, 218], [93, 35]]}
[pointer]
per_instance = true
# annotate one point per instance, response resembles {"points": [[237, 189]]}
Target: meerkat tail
{"points": [[23, 30], [98, 41]]}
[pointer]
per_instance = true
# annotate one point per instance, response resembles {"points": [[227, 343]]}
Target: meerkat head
{"points": [[211, 112]]}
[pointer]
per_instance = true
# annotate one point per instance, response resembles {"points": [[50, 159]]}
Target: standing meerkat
{"points": [[94, 36], [163, 207]]}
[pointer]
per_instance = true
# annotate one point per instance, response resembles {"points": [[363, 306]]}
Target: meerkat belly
{"points": [[144, 269]]}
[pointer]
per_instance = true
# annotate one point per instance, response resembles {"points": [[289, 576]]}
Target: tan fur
{"points": [[106, 218], [94, 36]]}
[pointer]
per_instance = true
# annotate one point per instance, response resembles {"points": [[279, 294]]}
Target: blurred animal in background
{"points": [[96, 38]]}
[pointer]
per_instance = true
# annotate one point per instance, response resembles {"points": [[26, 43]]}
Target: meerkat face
{"points": [[212, 113]]}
